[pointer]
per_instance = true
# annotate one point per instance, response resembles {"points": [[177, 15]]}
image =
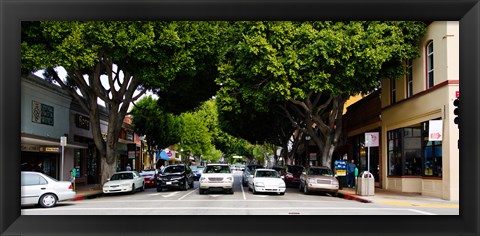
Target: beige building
{"points": [[418, 136]]}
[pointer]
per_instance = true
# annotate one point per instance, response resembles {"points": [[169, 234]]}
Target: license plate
{"points": [[169, 183]]}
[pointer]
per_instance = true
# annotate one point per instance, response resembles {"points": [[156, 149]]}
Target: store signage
{"points": [[42, 114], [131, 154], [313, 157], [82, 122], [50, 149], [435, 130], [30, 148], [372, 139]]}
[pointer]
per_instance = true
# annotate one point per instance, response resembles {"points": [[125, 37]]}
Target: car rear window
{"points": [[121, 176], [174, 169]]}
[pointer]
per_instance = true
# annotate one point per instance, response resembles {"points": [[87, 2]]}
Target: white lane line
{"points": [[234, 208], [243, 192], [187, 194], [197, 200]]}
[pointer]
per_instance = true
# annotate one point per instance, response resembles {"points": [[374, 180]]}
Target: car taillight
{"points": [[70, 187]]}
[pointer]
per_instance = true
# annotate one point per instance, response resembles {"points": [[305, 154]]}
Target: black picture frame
{"points": [[13, 12]]}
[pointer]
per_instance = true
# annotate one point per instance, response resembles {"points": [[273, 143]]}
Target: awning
{"points": [[50, 142]]}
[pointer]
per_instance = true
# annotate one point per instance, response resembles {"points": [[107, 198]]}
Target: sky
{"points": [[104, 79]]}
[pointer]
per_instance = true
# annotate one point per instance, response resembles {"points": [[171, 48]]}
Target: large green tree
{"points": [[160, 128], [130, 56], [307, 70]]}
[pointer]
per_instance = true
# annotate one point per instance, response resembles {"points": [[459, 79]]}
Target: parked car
{"points": [[197, 172], [319, 179], [249, 169], [178, 176], [291, 174], [41, 189], [150, 177], [124, 181], [216, 177], [266, 181]]}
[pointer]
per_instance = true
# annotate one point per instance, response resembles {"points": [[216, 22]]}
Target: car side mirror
{"points": [[283, 177], [108, 180]]}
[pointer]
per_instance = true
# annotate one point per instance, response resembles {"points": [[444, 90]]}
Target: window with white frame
{"points": [[430, 81], [409, 78]]}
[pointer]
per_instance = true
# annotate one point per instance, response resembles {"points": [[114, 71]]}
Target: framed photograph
{"points": [[12, 222]]}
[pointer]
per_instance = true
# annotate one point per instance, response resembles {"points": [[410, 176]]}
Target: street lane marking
{"points": [[188, 194], [236, 208], [197, 200], [170, 194]]}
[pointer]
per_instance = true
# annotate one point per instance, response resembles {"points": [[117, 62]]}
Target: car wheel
{"points": [[185, 185], [335, 194], [201, 191], [191, 184], [143, 186], [48, 200], [253, 189], [133, 189], [305, 190], [300, 187], [159, 188], [282, 193]]}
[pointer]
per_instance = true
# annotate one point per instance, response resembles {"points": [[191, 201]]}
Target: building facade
{"points": [[418, 136]]}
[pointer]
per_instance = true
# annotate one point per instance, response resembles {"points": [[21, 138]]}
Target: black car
{"points": [[249, 169], [178, 176]]}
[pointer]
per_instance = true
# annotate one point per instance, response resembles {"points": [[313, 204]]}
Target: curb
{"points": [[353, 197], [89, 196]]}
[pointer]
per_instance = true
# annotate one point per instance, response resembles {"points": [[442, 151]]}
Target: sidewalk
{"points": [[383, 196]]}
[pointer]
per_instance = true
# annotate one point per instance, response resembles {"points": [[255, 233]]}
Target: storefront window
{"points": [[432, 155], [394, 152], [408, 156]]}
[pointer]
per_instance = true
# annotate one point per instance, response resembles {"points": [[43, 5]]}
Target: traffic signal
{"points": [[456, 111]]}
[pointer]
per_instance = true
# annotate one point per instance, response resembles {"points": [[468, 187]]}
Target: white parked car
{"points": [[125, 181], [266, 181], [38, 188], [216, 176]]}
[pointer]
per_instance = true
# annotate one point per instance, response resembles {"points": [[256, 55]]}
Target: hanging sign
{"points": [[435, 130]]}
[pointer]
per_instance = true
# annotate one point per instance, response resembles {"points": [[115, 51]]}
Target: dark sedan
{"points": [[178, 176]]}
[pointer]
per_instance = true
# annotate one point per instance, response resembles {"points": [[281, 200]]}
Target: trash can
{"points": [[366, 184]]}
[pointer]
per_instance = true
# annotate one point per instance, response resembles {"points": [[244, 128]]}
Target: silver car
{"points": [[319, 179], [41, 189]]}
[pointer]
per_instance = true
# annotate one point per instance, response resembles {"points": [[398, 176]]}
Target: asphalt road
{"points": [[242, 202]]}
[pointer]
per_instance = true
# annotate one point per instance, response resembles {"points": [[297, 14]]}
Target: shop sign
{"points": [[435, 130], [30, 148], [50, 149], [312, 157], [371, 139], [42, 114], [82, 122], [131, 154]]}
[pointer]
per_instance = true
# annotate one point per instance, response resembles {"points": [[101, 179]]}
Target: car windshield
{"points": [[254, 167], [121, 176], [173, 169], [217, 169], [267, 174], [318, 171]]}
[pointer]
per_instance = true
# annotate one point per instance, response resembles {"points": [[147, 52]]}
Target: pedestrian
{"points": [[351, 173], [129, 168], [39, 168]]}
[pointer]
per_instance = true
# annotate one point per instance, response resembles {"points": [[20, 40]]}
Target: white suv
{"points": [[216, 176]]}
